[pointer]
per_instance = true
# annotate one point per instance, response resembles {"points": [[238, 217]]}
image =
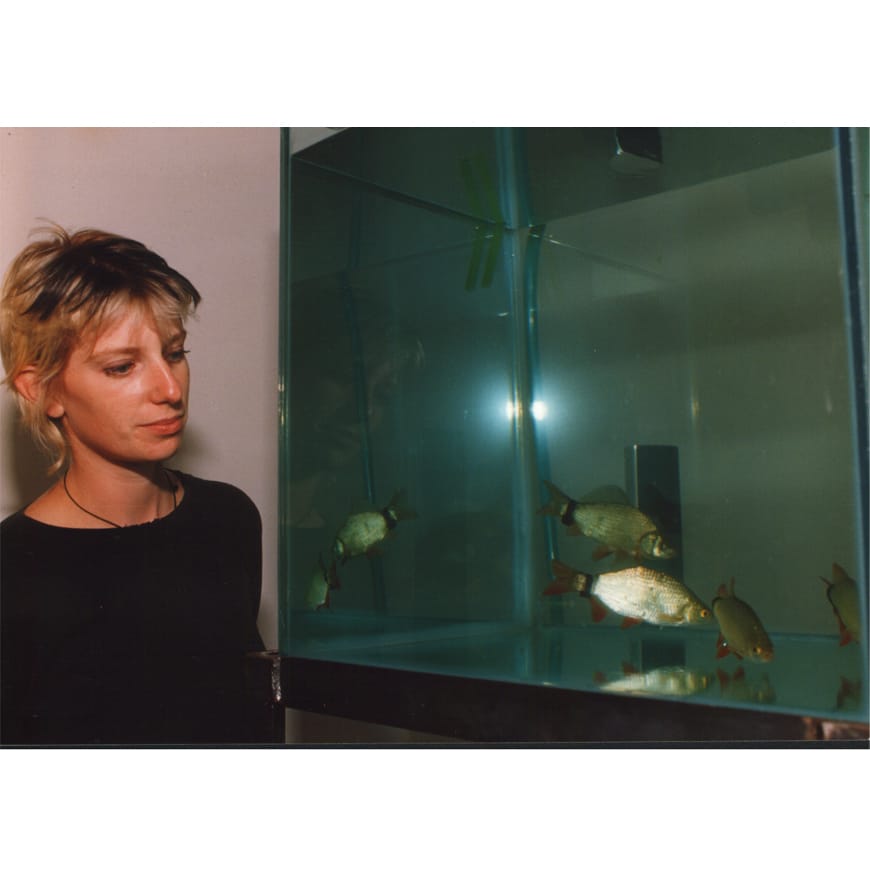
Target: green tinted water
{"points": [[471, 312]]}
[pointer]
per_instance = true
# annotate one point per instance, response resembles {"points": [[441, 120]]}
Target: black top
{"points": [[132, 635]]}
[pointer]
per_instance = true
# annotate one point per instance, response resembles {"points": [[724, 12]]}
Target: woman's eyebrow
{"points": [[133, 350], [114, 351]]}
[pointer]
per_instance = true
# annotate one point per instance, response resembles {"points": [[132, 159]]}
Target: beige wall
{"points": [[207, 200]]}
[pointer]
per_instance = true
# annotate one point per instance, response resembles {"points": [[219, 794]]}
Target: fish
{"points": [[740, 629], [843, 594], [362, 532], [639, 594], [735, 687], [618, 527], [323, 581], [675, 681]]}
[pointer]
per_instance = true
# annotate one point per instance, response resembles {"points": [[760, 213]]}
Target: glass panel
{"points": [[479, 320]]}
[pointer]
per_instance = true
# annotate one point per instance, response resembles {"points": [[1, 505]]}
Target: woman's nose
{"points": [[166, 386]]}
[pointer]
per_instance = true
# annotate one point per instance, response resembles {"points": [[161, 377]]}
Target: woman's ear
{"points": [[33, 389]]}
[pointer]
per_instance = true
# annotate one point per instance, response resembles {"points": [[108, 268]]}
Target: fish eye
{"points": [[704, 613]]}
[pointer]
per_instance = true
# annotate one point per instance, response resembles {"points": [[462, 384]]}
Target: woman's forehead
{"points": [[129, 325]]}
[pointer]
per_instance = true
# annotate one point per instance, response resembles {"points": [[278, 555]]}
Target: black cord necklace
{"points": [[172, 487]]}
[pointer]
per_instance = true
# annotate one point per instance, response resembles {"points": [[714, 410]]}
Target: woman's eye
{"points": [[116, 371], [177, 355]]}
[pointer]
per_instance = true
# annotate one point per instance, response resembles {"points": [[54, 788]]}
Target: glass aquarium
{"points": [[581, 409]]}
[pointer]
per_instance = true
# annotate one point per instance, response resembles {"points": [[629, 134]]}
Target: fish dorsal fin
{"points": [[838, 575], [605, 495]]}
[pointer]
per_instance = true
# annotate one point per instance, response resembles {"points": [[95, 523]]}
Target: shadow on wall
{"points": [[27, 476]]}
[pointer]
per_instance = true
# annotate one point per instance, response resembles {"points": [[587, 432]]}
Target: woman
{"points": [[129, 591]]}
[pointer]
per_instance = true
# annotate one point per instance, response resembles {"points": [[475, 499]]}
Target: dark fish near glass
{"points": [[740, 629], [843, 595]]}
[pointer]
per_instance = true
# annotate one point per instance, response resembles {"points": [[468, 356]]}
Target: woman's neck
{"points": [[119, 496], [99, 497]]}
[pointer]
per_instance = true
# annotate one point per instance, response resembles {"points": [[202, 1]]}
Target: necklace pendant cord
{"points": [[173, 487]]}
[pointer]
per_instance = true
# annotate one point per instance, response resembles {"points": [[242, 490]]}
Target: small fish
{"points": [[618, 527], [363, 532], [638, 594], [323, 581], [740, 629], [674, 681], [843, 595]]}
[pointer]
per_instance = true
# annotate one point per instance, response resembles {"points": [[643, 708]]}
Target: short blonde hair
{"points": [[65, 287]]}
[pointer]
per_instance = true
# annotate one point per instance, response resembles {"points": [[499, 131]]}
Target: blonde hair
{"points": [[60, 290]]}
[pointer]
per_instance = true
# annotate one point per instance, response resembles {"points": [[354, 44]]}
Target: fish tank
{"points": [[576, 419]]}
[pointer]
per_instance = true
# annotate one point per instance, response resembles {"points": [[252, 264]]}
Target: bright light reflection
{"points": [[539, 410]]}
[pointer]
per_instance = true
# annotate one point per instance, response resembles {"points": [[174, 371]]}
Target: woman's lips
{"points": [[166, 426]]}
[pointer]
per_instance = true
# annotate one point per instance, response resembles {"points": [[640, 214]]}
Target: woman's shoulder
{"points": [[216, 494]]}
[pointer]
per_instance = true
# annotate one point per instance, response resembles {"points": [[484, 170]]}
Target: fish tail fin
{"points": [[557, 504], [399, 506]]}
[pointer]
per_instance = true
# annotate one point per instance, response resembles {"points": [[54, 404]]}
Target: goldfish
{"points": [[618, 527], [639, 594], [673, 680], [843, 595], [323, 581], [740, 629], [363, 532]]}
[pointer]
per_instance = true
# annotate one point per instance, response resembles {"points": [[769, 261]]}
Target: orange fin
{"points": [[575, 531], [740, 674], [628, 669], [723, 678], [599, 611], [629, 621], [722, 649], [599, 677], [557, 587]]}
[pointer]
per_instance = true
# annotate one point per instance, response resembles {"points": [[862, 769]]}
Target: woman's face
{"points": [[124, 397]]}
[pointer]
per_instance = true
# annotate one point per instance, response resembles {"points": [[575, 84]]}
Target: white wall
{"points": [[207, 201]]}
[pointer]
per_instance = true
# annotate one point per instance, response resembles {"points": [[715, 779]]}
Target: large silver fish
{"points": [[639, 594], [618, 527], [362, 532]]}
